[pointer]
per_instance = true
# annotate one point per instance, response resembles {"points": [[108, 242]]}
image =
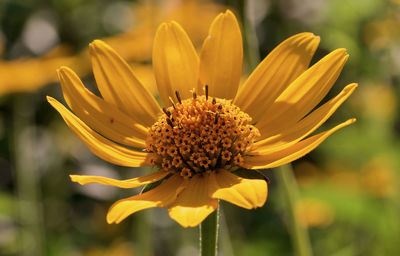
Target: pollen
{"points": [[199, 135]]}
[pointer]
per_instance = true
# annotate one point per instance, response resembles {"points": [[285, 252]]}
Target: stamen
{"points": [[214, 101], [194, 93], [216, 118], [170, 122], [172, 102], [166, 112], [206, 88], [178, 97]]}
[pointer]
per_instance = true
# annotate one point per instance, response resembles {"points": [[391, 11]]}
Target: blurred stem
{"points": [[27, 180], [209, 234], [250, 42], [284, 174], [298, 233]]}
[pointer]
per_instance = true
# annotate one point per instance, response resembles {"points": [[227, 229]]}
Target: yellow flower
{"points": [[207, 129], [38, 72], [314, 212]]}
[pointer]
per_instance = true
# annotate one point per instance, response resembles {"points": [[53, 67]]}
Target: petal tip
{"points": [[353, 85], [229, 12], [97, 42], [63, 70], [350, 87], [229, 15], [50, 99], [351, 121], [97, 45], [342, 51], [74, 178], [109, 219]]}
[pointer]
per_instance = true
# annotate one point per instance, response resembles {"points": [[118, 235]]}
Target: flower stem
{"points": [[209, 234], [298, 233]]}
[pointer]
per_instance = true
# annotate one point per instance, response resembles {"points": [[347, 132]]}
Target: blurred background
{"points": [[348, 186]]}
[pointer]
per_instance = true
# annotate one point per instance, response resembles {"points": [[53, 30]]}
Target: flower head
{"points": [[207, 128]]}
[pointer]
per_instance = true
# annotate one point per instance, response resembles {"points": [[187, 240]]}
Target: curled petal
{"points": [[161, 196], [131, 183], [246, 193]]}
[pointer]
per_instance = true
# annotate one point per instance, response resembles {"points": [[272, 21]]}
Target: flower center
{"points": [[200, 134]]}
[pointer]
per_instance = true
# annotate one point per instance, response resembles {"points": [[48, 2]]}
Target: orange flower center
{"points": [[200, 134]]}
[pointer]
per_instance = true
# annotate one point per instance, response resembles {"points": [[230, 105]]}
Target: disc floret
{"points": [[200, 134]]}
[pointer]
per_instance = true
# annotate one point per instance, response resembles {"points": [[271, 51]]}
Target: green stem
{"points": [[209, 234], [29, 212], [298, 233]]}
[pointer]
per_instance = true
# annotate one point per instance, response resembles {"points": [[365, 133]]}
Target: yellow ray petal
{"points": [[175, 62], [221, 57], [303, 94], [131, 183], [284, 64], [292, 153], [161, 196], [118, 84], [100, 115], [100, 146], [246, 193], [194, 203], [304, 127]]}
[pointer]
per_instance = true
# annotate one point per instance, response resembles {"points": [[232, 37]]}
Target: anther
{"points": [[172, 102], [170, 122], [220, 107], [206, 89], [166, 112], [216, 118], [194, 93], [214, 101], [178, 97]]}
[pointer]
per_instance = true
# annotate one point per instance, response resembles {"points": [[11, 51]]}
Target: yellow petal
{"points": [[131, 183], [161, 196], [304, 127], [284, 64], [194, 203], [303, 94], [175, 62], [221, 57], [100, 146], [292, 153], [119, 86], [246, 193], [100, 115]]}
